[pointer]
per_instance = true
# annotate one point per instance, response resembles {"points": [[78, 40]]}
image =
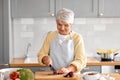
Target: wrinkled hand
{"points": [[47, 60], [63, 70]]}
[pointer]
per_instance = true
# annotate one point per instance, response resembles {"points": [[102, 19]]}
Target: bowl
{"points": [[4, 73], [91, 75]]}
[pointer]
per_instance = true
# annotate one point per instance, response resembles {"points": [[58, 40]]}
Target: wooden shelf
{"points": [[91, 61]]}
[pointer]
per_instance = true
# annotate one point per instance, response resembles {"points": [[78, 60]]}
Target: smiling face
{"points": [[63, 28]]}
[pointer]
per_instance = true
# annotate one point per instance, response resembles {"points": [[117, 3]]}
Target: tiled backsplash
{"points": [[97, 33]]}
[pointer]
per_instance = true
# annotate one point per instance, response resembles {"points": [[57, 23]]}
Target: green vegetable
{"points": [[26, 74]]}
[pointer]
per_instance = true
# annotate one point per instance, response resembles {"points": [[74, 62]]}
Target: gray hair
{"points": [[66, 15]]}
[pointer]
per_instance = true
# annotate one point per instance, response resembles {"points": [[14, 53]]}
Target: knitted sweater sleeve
{"points": [[45, 50], [80, 57]]}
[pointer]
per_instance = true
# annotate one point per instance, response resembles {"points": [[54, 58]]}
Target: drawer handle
{"points": [[86, 68], [4, 64]]}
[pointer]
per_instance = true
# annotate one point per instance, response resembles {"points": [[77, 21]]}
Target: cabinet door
{"points": [[32, 8], [109, 8], [92, 68], [3, 62], [81, 8], [1, 32]]}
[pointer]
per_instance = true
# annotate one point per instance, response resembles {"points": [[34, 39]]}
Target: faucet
{"points": [[27, 52]]}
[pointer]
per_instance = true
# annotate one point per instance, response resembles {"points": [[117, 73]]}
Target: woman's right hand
{"points": [[47, 60]]}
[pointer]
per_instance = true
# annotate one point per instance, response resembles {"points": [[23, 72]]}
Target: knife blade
{"points": [[52, 68]]}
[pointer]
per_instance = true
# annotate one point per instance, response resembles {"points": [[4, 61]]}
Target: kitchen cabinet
{"points": [[91, 68], [4, 39], [48, 8], [109, 8], [32, 8], [1, 33], [91, 8], [81, 8]]}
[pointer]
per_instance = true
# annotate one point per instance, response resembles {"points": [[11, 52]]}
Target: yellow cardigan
{"points": [[80, 57]]}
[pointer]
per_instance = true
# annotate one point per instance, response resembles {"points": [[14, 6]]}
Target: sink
{"points": [[31, 60]]}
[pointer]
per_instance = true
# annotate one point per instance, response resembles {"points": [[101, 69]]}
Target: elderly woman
{"points": [[63, 48]]}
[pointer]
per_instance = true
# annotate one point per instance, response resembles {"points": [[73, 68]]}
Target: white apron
{"points": [[61, 53]]}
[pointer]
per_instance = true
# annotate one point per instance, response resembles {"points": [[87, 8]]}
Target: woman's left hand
{"points": [[63, 70]]}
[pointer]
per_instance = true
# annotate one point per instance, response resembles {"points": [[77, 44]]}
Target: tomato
{"points": [[14, 75]]}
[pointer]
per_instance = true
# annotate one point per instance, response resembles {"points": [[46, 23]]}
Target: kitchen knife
{"points": [[52, 68]]}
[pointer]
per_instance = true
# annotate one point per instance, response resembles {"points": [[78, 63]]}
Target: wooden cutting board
{"points": [[51, 76]]}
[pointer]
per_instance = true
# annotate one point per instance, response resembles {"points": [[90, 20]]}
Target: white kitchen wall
{"points": [[97, 33]]}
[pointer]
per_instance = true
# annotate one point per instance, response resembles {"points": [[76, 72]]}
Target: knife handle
{"points": [[52, 68], [50, 65]]}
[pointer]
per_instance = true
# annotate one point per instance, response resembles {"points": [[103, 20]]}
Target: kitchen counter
{"points": [[95, 61], [92, 61], [19, 62], [50, 76]]}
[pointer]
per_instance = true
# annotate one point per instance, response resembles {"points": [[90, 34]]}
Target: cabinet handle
{"points": [[86, 68], [52, 14], [101, 14], [4, 64]]}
